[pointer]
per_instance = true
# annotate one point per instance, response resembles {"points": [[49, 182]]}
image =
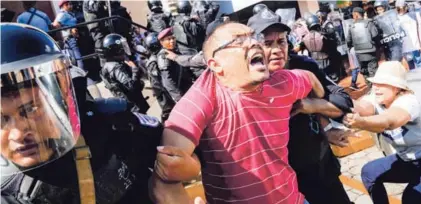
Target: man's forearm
{"points": [[167, 193], [326, 108], [184, 60], [376, 123]]}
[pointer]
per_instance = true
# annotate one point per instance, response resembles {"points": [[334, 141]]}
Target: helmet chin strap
{"points": [[82, 155]]}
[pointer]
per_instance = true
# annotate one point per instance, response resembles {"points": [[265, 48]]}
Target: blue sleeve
{"points": [[47, 19], [20, 19], [61, 18]]}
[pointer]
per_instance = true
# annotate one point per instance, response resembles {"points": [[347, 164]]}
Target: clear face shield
{"points": [[39, 116], [125, 45]]}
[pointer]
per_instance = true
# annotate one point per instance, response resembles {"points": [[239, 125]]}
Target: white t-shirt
{"points": [[406, 139]]}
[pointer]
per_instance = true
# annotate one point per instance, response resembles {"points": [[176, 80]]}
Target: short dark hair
{"points": [[28, 4], [209, 38]]}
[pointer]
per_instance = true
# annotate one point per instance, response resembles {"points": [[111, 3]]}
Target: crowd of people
{"points": [[251, 108]]}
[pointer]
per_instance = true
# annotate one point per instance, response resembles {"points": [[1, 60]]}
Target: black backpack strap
{"points": [[34, 13]]}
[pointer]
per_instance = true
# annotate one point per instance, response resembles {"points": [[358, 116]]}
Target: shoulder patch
{"points": [[147, 120]]}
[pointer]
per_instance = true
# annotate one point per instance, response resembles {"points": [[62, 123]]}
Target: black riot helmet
{"points": [[258, 8], [381, 3], [152, 42], [115, 45], [184, 7], [154, 5], [312, 21], [39, 114]]}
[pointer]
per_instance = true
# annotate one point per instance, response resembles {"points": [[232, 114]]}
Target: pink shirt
{"points": [[243, 137]]}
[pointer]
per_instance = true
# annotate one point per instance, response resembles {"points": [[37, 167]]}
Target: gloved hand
{"points": [[135, 69]]}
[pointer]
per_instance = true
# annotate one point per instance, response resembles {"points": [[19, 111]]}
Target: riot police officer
{"points": [[92, 10], [391, 33], [205, 11], [157, 19], [120, 75], [162, 96], [327, 26], [362, 35], [189, 33], [258, 8], [321, 48], [175, 79], [368, 6], [122, 27], [51, 155]]}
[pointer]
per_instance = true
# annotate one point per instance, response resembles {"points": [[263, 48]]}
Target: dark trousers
{"points": [[368, 64], [392, 169], [321, 184], [414, 59], [354, 74]]}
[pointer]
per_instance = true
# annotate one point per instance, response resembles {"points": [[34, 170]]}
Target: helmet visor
{"points": [[39, 116], [126, 47]]}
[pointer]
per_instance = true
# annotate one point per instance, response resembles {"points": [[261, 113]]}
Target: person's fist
{"points": [[174, 164], [339, 137], [352, 120]]}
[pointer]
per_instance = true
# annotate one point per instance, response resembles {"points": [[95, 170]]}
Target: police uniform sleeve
{"points": [[333, 93], [191, 60], [125, 79], [138, 130], [168, 82]]}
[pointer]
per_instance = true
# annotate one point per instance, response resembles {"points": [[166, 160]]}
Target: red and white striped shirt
{"points": [[243, 137]]}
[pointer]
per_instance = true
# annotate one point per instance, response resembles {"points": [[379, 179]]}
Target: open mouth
{"points": [[27, 150], [257, 60]]}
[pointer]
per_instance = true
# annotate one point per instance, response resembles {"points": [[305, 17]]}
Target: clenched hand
{"points": [[353, 120], [174, 164], [170, 55]]}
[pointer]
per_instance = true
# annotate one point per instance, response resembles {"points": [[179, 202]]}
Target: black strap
{"points": [[32, 16], [35, 13]]}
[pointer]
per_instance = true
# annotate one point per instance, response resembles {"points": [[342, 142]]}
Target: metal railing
{"points": [[95, 55]]}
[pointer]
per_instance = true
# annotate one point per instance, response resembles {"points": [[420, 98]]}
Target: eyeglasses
{"points": [[239, 42]]}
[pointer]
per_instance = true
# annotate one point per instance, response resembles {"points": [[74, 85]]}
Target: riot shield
{"points": [[287, 16], [389, 25], [346, 24]]}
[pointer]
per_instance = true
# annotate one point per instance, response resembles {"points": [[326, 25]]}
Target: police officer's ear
{"points": [[215, 66]]}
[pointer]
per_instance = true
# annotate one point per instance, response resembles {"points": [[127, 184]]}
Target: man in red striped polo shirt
{"points": [[238, 115]]}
